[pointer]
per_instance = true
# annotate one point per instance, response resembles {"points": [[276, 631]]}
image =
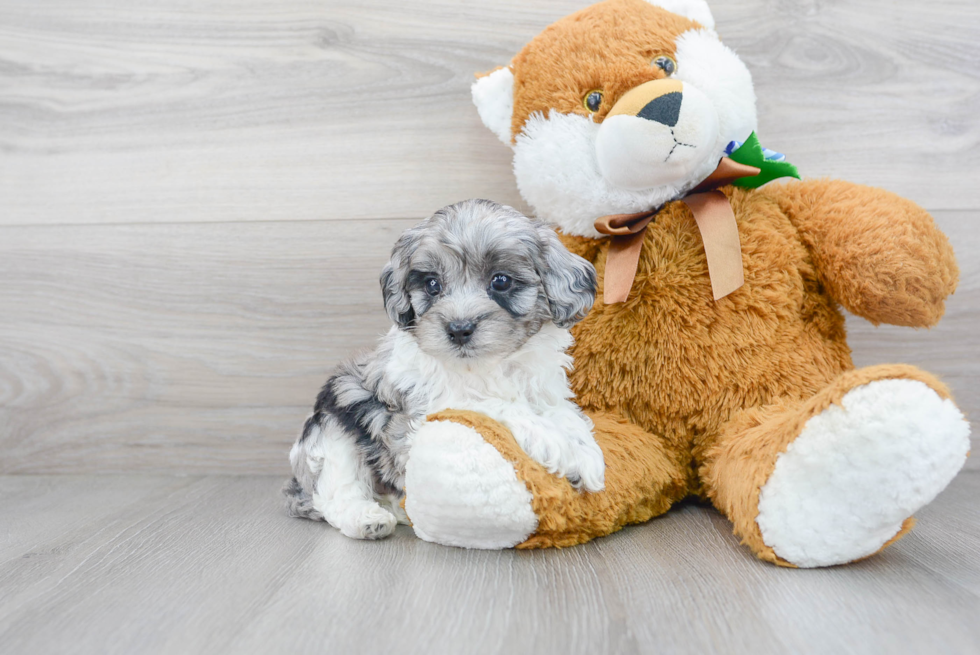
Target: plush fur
{"points": [[560, 170], [507, 362], [879, 436], [493, 94], [751, 402], [453, 510], [644, 484]]}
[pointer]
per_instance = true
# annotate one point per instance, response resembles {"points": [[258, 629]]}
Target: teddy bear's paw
{"points": [[845, 486], [461, 492]]}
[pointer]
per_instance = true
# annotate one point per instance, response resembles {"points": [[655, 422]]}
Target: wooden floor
{"points": [[195, 202], [163, 564]]}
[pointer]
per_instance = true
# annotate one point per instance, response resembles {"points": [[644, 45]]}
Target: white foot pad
{"points": [[843, 488], [461, 492]]}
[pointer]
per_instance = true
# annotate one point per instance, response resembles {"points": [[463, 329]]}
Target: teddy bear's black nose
{"points": [[664, 109]]}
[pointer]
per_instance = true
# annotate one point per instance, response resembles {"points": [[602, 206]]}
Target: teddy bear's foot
{"points": [[461, 492], [858, 470], [866, 454]]}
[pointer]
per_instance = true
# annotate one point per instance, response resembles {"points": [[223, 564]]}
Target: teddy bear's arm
{"points": [[469, 483], [879, 255]]}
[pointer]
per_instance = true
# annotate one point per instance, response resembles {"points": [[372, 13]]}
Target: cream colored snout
{"points": [[657, 133]]}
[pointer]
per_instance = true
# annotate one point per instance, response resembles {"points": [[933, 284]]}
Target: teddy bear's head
{"points": [[618, 108]]}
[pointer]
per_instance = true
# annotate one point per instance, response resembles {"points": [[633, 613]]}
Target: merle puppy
{"points": [[482, 298]]}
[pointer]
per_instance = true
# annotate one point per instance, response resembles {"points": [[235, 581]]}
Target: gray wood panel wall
{"points": [[196, 199]]}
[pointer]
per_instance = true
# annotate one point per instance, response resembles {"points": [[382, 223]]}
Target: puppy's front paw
{"points": [[589, 472], [371, 522], [568, 450]]}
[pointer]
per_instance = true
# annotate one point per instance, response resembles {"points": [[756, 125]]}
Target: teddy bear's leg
{"points": [[837, 477], [460, 491], [468, 483]]}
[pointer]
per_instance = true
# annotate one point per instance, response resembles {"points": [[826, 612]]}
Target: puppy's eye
{"points": [[501, 282], [432, 287], [666, 64], [592, 100]]}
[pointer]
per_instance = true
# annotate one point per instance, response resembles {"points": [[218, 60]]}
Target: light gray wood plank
{"points": [[177, 347], [199, 348], [205, 565], [35, 510], [299, 110], [946, 551]]}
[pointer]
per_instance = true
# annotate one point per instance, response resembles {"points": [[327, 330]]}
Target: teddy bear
{"points": [[715, 362]]}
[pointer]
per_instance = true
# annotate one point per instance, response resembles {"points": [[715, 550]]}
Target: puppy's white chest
{"points": [[527, 392], [478, 391]]}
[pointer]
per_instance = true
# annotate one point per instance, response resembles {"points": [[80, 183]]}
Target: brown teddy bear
{"points": [[715, 362]]}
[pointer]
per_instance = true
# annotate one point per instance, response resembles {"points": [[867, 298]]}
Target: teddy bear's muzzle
{"points": [[657, 133]]}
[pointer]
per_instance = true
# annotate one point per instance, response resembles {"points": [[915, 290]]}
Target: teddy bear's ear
{"points": [[696, 10], [493, 95]]}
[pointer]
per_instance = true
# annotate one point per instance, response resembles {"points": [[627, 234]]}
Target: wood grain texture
{"points": [[142, 564], [299, 110], [199, 348], [195, 202], [177, 347]]}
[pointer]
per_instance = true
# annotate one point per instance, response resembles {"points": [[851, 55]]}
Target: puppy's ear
{"points": [[493, 95], [569, 281], [394, 278]]}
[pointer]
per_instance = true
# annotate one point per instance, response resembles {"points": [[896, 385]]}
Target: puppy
{"points": [[482, 298]]}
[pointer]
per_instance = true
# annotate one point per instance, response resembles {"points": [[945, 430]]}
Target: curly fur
{"points": [[349, 462]]}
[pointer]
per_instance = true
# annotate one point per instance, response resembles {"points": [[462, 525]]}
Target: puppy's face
{"points": [[478, 279]]}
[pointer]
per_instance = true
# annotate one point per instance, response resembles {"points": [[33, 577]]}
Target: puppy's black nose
{"points": [[460, 331], [666, 109]]}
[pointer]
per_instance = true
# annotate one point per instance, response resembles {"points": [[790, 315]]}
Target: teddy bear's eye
{"points": [[666, 64], [592, 100]]}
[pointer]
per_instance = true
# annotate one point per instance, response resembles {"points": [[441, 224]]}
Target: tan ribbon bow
{"points": [[716, 222]]}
